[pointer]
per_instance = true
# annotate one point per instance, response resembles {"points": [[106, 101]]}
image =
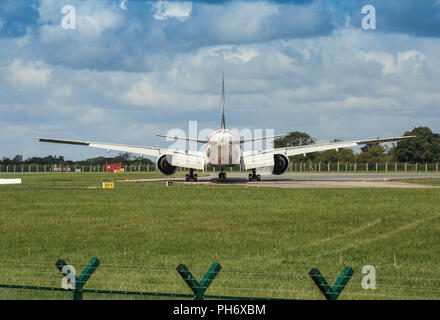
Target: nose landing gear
{"points": [[222, 176], [254, 176], [191, 177]]}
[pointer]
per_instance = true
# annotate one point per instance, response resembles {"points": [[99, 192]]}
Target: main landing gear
{"points": [[191, 177], [222, 176], [254, 176]]}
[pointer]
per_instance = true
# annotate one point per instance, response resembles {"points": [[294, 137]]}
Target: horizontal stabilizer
{"points": [[181, 138], [263, 138]]}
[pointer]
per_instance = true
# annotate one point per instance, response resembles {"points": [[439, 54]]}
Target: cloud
{"points": [[108, 38], [394, 63], [164, 10], [17, 16], [123, 75], [123, 4], [93, 18], [421, 19], [150, 93], [27, 74]]}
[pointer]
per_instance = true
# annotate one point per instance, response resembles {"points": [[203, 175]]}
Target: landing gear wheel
{"points": [[190, 177], [222, 176], [254, 176]]}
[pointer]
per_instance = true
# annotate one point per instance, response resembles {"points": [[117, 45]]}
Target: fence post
{"points": [[395, 166], [406, 166], [386, 167], [328, 166], [355, 165], [82, 278], [338, 166], [199, 289], [436, 166], [331, 293], [416, 165], [366, 167], [319, 166], [426, 166]]}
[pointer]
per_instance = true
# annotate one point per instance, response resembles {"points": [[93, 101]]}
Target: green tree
{"points": [[294, 139], [425, 147], [18, 159], [374, 154], [342, 155]]}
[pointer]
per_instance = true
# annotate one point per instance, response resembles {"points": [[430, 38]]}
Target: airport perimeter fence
{"points": [[42, 280], [306, 166]]}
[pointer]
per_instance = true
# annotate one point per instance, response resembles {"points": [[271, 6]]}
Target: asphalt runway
{"points": [[313, 180]]}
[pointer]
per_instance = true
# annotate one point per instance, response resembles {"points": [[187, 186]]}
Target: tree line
{"points": [[425, 147]]}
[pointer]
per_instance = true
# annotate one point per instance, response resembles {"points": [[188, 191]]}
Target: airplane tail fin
{"points": [[223, 125]]}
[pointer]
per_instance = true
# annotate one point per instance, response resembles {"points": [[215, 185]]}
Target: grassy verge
{"points": [[266, 239]]}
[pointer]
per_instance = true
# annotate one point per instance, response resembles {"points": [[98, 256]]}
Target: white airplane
{"points": [[223, 150]]}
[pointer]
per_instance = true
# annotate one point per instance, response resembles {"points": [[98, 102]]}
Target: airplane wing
{"points": [[206, 141], [185, 159], [264, 158]]}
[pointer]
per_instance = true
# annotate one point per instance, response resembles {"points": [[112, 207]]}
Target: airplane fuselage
{"points": [[223, 149]]}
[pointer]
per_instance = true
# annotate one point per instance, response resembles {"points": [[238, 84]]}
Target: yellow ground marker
{"points": [[108, 185]]}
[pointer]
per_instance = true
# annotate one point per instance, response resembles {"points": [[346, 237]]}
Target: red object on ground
{"points": [[110, 167]]}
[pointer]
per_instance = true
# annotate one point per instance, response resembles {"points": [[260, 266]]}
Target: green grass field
{"points": [[266, 239]]}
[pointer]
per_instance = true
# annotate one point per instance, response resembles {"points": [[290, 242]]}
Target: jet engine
{"points": [[281, 163], [164, 166]]}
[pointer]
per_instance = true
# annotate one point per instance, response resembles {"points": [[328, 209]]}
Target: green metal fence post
{"points": [[199, 289], [82, 278], [331, 293]]}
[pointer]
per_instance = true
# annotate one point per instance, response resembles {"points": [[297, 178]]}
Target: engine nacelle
{"points": [[165, 166], [281, 163]]}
